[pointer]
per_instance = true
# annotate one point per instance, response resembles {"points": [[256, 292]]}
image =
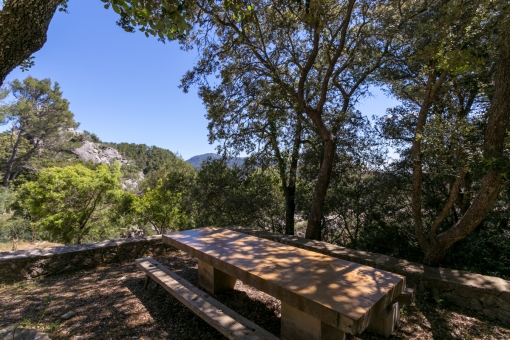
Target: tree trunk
{"points": [[290, 209], [23, 27], [22, 162], [313, 229], [12, 159], [290, 194], [289, 186], [433, 84], [493, 149]]}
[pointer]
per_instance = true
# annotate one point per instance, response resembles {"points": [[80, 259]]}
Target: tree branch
{"points": [[23, 27], [454, 192]]}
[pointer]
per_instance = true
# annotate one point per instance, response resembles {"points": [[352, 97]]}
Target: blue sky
{"points": [[124, 87]]}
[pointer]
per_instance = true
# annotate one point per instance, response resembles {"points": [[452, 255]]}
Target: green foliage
{"points": [[147, 158], [165, 19], [12, 228], [169, 19], [150, 162], [92, 137], [7, 141], [177, 197], [39, 119], [63, 6], [445, 81], [487, 249], [71, 202], [27, 64], [161, 208], [238, 196], [288, 83], [403, 311], [158, 158], [137, 153], [6, 199], [386, 225], [166, 202], [15, 228]]}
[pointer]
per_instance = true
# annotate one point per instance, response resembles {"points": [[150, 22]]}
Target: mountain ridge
{"points": [[196, 161]]}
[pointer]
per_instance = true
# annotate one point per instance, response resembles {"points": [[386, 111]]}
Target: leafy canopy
{"points": [[66, 202], [39, 119]]}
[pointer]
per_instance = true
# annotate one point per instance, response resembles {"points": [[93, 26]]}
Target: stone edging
{"points": [[27, 264], [486, 294]]}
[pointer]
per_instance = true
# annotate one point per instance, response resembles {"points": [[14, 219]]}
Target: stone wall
{"points": [[484, 294], [28, 264]]}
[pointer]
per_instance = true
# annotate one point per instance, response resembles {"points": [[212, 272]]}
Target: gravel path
{"points": [[110, 303]]}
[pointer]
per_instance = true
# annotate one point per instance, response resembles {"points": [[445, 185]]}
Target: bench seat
{"points": [[216, 314]]}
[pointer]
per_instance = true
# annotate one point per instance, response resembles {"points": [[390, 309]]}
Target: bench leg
{"points": [[297, 325], [147, 281], [384, 323], [214, 280]]}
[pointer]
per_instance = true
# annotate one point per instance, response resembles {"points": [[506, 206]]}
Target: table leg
{"points": [[297, 325], [384, 323], [214, 280]]}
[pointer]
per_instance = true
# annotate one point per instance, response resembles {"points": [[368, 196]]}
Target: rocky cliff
{"points": [[90, 151]]}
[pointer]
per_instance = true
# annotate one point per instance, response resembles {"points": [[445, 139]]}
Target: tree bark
{"points": [[290, 203], [23, 27], [288, 184], [433, 84], [493, 152], [290, 209], [12, 159], [313, 229]]}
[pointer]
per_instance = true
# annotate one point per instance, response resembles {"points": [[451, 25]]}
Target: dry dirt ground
{"points": [[110, 303], [25, 245]]}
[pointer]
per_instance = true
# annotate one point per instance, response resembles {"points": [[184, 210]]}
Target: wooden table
{"points": [[322, 296]]}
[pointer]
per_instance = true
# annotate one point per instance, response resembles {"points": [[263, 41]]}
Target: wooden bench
{"points": [[216, 314]]}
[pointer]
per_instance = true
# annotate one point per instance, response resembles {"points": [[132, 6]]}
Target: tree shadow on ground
{"points": [[175, 319], [448, 321], [107, 303], [157, 300], [251, 303], [110, 303], [433, 318]]}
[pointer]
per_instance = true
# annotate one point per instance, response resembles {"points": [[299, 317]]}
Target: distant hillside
{"points": [[137, 160], [196, 161]]}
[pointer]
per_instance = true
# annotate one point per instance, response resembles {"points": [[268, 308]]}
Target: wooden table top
{"points": [[344, 294]]}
